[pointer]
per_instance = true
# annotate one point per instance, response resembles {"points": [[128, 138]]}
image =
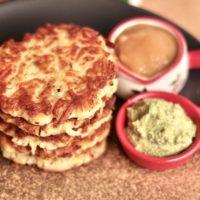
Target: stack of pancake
{"points": [[56, 97]]}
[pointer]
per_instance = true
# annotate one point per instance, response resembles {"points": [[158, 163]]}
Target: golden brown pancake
{"points": [[71, 127], [75, 144], [53, 142], [60, 72], [52, 164]]}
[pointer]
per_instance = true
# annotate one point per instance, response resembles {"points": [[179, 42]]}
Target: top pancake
{"points": [[59, 72]]}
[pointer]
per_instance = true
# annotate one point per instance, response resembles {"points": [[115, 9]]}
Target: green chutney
{"points": [[159, 128]]}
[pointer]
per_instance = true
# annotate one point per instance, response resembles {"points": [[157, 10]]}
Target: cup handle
{"points": [[194, 59], [198, 109]]}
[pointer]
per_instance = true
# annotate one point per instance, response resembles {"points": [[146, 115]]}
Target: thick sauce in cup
{"points": [[146, 50]]}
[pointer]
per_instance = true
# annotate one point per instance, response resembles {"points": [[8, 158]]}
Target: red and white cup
{"points": [[171, 79]]}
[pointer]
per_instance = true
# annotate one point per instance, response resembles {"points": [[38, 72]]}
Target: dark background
{"points": [[18, 17]]}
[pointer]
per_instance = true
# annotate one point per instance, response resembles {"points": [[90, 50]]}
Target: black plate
{"points": [[18, 17]]}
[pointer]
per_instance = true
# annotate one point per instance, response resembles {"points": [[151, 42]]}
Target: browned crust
{"points": [[62, 137], [68, 150], [96, 77], [87, 151], [59, 152]]}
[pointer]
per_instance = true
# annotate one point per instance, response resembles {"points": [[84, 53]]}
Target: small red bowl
{"points": [[151, 162]]}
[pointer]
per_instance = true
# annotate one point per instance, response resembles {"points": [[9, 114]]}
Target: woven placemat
{"points": [[113, 176]]}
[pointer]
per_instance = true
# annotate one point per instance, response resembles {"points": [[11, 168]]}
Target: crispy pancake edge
{"points": [[82, 104]]}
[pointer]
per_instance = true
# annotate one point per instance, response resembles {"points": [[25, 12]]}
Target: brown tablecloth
{"points": [[113, 176], [185, 13]]}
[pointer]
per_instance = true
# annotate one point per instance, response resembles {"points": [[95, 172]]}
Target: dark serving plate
{"points": [[19, 17]]}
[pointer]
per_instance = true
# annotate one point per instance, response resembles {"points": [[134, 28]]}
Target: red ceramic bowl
{"points": [[151, 162]]}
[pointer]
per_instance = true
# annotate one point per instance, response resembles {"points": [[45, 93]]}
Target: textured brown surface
{"points": [[182, 12], [113, 176]]}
